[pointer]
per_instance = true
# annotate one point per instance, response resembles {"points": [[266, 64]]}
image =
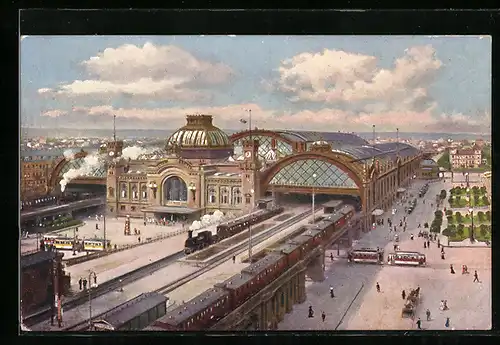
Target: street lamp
{"points": [[192, 188], [471, 234], [249, 195], [153, 186], [313, 196], [91, 273]]}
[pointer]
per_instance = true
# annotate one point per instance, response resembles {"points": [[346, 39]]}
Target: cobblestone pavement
{"points": [[357, 305]]}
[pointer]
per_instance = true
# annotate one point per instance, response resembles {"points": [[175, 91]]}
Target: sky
{"points": [[320, 83]]}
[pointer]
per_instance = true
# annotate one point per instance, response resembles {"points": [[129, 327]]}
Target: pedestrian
{"points": [[425, 244], [311, 311], [428, 314], [97, 226], [139, 239], [378, 287], [439, 243], [411, 237], [419, 323], [403, 294], [323, 316], [332, 295], [442, 256], [80, 283], [428, 244], [447, 323], [476, 278], [331, 256], [144, 223], [95, 279], [234, 259], [84, 284], [442, 250]]}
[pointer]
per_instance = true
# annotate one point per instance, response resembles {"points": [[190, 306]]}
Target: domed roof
{"points": [[199, 132], [199, 138]]}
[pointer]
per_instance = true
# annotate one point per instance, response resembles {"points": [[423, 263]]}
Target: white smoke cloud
{"points": [[69, 155], [207, 220], [133, 152], [90, 163]]}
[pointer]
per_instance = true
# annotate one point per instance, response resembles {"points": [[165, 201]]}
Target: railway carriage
{"points": [[132, 315], [290, 251], [265, 271], [315, 235], [65, 243], [305, 243], [199, 313]]}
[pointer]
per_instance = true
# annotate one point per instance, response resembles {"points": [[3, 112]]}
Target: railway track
{"points": [[106, 287], [223, 257], [216, 261]]}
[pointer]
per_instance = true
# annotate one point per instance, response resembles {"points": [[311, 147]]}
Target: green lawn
{"points": [[467, 220], [464, 201], [455, 237]]}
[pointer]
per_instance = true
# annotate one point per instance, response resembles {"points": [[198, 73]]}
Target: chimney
{"points": [[190, 233]]}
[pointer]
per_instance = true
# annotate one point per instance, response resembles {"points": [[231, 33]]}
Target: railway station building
{"points": [[202, 169]]}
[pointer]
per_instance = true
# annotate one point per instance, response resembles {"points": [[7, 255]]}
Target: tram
{"points": [[366, 255], [406, 259]]}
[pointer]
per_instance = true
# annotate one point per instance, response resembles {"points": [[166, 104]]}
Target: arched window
{"points": [[224, 193], [124, 191], [111, 191], [144, 191], [135, 192], [212, 195], [236, 196], [174, 189]]}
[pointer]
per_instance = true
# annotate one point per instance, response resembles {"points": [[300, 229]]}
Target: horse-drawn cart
{"points": [[411, 303]]}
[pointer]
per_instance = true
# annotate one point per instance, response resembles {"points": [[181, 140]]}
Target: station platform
{"points": [[117, 264], [115, 228], [106, 302]]}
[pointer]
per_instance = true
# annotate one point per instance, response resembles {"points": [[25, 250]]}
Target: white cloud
{"points": [[326, 119], [165, 72], [336, 76], [44, 90], [54, 113]]}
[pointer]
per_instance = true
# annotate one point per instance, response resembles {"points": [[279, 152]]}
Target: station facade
{"points": [[201, 169]]}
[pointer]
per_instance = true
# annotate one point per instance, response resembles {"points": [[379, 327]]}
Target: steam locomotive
{"points": [[222, 231]]}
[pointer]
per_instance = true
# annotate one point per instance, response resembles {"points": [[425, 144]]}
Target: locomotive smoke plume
{"points": [[207, 220], [69, 155], [91, 162]]}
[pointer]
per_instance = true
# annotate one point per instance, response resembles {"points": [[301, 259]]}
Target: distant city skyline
{"points": [[319, 83]]}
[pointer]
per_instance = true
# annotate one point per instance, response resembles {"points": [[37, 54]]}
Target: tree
{"points": [[475, 190], [442, 195], [458, 216], [484, 231], [438, 214], [488, 215], [483, 190], [460, 231], [480, 216], [486, 202], [450, 219], [449, 212], [444, 161]]}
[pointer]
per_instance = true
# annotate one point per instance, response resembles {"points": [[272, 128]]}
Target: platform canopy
{"points": [[170, 209]]}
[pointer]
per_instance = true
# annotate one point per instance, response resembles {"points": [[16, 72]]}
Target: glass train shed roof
{"points": [[345, 138], [78, 163]]}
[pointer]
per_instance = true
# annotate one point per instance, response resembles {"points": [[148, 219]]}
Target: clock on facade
{"points": [[248, 154]]}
